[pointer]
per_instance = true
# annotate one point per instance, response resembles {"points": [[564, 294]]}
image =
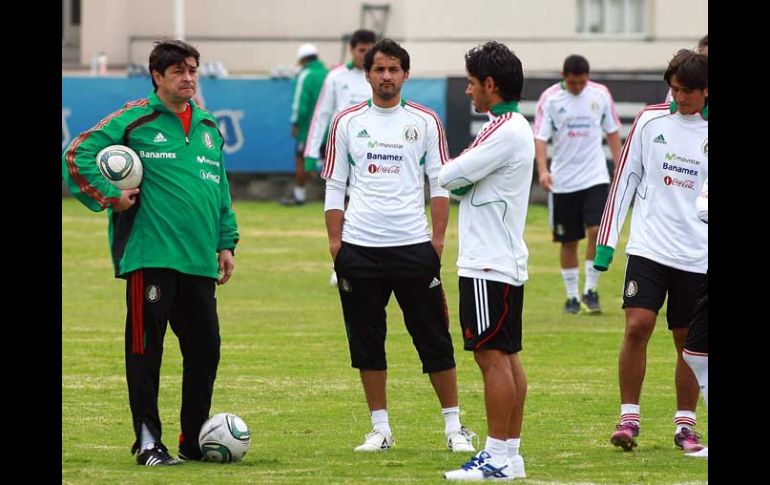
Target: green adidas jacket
{"points": [[307, 87], [183, 214]]}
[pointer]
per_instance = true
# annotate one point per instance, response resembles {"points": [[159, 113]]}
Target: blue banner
{"points": [[253, 114]]}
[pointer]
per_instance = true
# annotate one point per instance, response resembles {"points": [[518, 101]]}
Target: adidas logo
{"points": [[562, 110], [659, 139], [159, 138], [434, 283], [363, 134]]}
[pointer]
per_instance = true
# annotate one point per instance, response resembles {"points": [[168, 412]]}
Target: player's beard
{"points": [[387, 95]]}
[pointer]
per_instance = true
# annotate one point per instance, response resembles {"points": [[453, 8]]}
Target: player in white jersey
{"points": [[663, 164], [383, 148], [493, 178], [696, 347], [575, 113], [344, 86]]}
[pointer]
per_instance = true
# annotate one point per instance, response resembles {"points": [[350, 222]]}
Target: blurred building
{"points": [[258, 37]]}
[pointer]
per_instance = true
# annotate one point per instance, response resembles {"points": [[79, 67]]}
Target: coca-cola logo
{"points": [[394, 169], [685, 184]]}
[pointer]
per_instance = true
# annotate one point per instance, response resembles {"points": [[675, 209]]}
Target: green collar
{"points": [[505, 107], [369, 102], [157, 104], [704, 112], [350, 64]]}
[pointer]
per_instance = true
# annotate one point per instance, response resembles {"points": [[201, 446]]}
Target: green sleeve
{"points": [[603, 257], [79, 171], [228, 226]]}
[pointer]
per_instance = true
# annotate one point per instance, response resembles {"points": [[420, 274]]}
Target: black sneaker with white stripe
{"points": [[157, 455]]}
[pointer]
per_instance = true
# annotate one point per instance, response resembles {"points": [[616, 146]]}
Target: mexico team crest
{"points": [[207, 140], [632, 289], [344, 286], [152, 293], [705, 147], [411, 134]]}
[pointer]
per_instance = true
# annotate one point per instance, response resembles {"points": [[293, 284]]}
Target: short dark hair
{"points": [[362, 36], [389, 48], [495, 60], [170, 52], [690, 68], [703, 42], [576, 64]]}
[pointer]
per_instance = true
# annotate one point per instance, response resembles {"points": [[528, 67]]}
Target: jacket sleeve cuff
{"points": [[603, 257]]}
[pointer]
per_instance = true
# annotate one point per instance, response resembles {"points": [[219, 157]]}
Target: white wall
{"points": [[435, 32]]}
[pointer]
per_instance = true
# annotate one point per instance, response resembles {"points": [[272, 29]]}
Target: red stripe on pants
{"points": [[137, 312]]}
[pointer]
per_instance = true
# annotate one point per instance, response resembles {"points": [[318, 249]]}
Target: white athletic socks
{"points": [[592, 276], [380, 421], [570, 277], [629, 413], [451, 419]]}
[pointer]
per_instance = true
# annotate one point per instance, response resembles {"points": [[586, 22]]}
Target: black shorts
{"points": [[647, 283], [698, 335], [490, 314], [572, 212], [367, 277]]}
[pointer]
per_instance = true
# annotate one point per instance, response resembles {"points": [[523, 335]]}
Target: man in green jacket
{"points": [[172, 240], [307, 87]]}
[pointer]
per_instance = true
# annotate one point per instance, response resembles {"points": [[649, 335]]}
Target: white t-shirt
{"points": [[664, 163], [576, 123], [493, 212], [343, 87], [384, 155]]}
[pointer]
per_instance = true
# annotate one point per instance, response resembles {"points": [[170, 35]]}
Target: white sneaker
{"points": [[461, 441], [333, 278], [517, 467], [376, 441], [704, 453], [480, 467]]}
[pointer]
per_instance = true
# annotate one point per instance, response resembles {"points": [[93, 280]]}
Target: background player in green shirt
{"points": [[307, 87]]}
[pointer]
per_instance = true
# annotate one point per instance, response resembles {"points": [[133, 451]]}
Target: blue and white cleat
{"points": [[481, 467]]}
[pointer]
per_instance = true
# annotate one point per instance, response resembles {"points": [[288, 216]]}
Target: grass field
{"points": [[285, 370]]}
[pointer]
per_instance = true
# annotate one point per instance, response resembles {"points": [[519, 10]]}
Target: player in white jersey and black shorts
{"points": [[663, 164], [492, 177], [383, 148], [575, 112]]}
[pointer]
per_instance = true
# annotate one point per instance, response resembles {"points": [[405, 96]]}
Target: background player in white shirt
{"points": [[493, 177], [344, 86], [663, 165], [575, 112], [383, 148]]}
